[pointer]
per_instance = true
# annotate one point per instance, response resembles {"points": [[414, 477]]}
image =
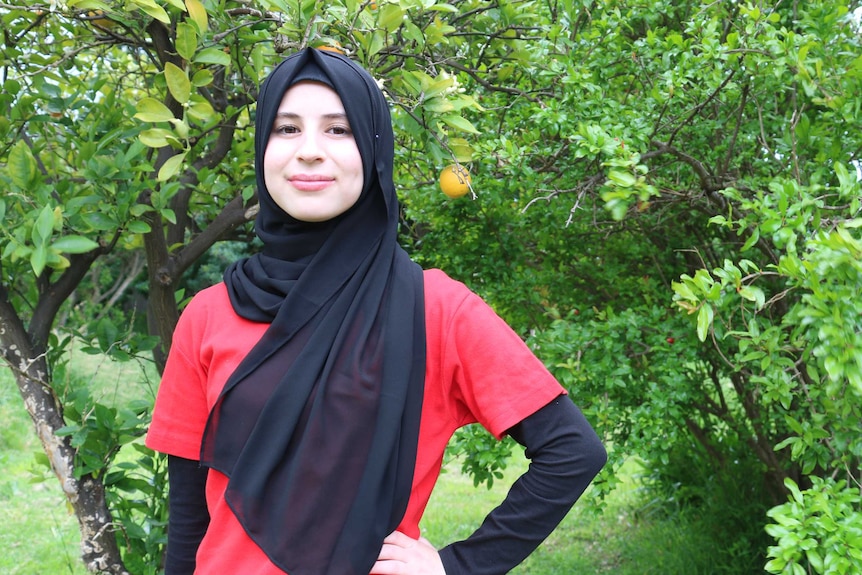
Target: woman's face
{"points": [[312, 167]]}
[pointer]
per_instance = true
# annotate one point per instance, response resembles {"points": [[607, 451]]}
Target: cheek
{"points": [[354, 163], [274, 160], [270, 157], [269, 174], [359, 170], [358, 179]]}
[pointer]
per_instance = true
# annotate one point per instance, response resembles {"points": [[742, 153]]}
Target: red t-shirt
{"points": [[478, 370]]}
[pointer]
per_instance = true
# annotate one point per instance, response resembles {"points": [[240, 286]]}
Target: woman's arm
{"points": [[566, 454], [188, 517]]}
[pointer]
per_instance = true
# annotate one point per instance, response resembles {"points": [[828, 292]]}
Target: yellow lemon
{"points": [[455, 181]]}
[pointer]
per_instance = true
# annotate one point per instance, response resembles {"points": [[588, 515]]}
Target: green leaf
{"points": [[152, 110], [178, 82], [138, 227], [622, 179], [413, 33], [67, 430], [152, 9], [202, 78], [38, 259], [794, 490], [21, 165], [683, 289], [390, 17], [138, 210], [462, 149], [169, 215], [88, 5], [704, 320], [754, 294], [212, 56], [376, 42], [44, 227], [435, 86], [74, 244], [460, 123], [815, 560], [181, 129], [155, 137], [437, 105], [170, 168], [412, 81], [443, 8], [198, 14], [789, 441], [106, 333], [201, 110], [752, 239], [187, 40]]}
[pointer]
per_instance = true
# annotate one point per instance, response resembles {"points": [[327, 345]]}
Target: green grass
{"points": [[39, 535]]}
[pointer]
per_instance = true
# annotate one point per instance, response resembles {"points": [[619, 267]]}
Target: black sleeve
{"points": [[188, 517], [566, 454]]}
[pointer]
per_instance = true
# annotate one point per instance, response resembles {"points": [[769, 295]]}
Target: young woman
{"points": [[308, 399]]}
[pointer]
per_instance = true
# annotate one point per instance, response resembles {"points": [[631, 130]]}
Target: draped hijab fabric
{"points": [[318, 426]]}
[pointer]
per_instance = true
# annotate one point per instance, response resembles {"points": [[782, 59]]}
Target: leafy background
{"points": [[667, 208]]}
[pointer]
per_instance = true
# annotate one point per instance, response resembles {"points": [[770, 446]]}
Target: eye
{"points": [[340, 130], [285, 129]]}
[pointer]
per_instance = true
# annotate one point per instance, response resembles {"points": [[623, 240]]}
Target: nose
{"points": [[310, 149]]}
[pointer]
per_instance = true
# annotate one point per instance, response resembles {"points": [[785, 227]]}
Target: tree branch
{"points": [[701, 106], [707, 180], [234, 214], [51, 298]]}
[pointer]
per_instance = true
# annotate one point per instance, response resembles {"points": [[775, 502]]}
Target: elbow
{"points": [[596, 456], [586, 457]]}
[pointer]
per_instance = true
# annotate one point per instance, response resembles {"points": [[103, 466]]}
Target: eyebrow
{"points": [[332, 116]]}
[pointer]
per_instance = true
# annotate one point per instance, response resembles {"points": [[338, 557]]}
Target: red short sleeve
{"points": [[181, 409], [490, 373]]}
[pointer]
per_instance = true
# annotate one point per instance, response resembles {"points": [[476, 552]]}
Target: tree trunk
{"points": [[86, 494]]}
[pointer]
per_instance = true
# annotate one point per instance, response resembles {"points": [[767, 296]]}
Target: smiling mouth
{"points": [[310, 183]]}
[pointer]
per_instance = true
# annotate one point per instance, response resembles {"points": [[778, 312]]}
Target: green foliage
{"points": [[136, 494], [807, 361], [819, 528], [99, 431], [738, 120], [209, 269], [484, 458], [134, 487], [106, 431], [718, 503]]}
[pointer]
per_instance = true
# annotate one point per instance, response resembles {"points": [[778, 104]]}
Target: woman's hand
{"points": [[402, 555]]}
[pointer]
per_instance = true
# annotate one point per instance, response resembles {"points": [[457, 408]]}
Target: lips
{"points": [[310, 182]]}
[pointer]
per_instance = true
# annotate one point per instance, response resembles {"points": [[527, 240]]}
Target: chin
{"points": [[314, 217]]}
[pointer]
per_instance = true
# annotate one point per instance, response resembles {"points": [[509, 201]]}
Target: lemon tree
{"points": [[128, 154]]}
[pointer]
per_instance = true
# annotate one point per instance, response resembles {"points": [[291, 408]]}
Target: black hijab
{"points": [[318, 426]]}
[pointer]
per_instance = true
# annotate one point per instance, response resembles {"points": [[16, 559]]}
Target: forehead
{"points": [[311, 96]]}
